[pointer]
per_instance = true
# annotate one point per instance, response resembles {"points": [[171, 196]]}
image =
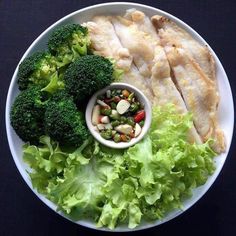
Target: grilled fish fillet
{"points": [[135, 41], [143, 23], [199, 93], [163, 88], [134, 78], [166, 92], [106, 43], [171, 34]]}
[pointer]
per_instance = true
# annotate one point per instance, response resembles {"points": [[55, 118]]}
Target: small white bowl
{"points": [[140, 97]]}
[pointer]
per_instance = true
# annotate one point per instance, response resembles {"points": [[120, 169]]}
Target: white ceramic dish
{"points": [[226, 109], [140, 97]]}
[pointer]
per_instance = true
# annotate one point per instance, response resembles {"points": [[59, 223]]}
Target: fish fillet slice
{"points": [[171, 34], [143, 23], [136, 42], [106, 43], [199, 94], [164, 89], [134, 78], [166, 92]]}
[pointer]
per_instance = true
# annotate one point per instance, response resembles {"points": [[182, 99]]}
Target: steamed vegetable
{"points": [[112, 186], [38, 69], [27, 114], [87, 75], [69, 42], [65, 44], [63, 122]]}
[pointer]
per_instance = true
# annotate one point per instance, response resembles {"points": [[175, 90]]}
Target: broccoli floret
{"points": [[69, 42], [39, 68], [63, 122], [27, 114], [87, 75]]}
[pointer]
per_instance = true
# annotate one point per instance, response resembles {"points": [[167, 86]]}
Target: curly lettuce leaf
{"points": [[123, 186], [46, 161]]}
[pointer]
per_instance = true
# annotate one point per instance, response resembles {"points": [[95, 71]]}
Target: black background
{"points": [[21, 212]]}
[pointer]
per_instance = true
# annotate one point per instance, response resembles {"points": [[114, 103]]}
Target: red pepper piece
{"points": [[139, 116]]}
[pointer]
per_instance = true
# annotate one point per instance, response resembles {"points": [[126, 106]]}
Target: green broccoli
{"points": [[39, 69], [63, 122], [87, 75], [27, 114], [69, 42]]}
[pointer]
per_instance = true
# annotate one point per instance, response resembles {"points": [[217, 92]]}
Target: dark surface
{"points": [[21, 212]]}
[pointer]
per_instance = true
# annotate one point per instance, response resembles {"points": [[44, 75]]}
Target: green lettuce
{"points": [[123, 186]]}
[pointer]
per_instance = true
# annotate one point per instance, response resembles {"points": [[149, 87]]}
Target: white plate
{"points": [[226, 109]]}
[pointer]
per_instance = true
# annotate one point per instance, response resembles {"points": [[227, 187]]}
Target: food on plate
{"points": [[171, 34], [38, 69], [199, 93], [88, 74], [105, 42], [114, 186], [134, 40], [193, 67], [149, 179], [143, 22], [63, 121], [118, 115], [163, 87], [50, 109], [27, 114], [166, 91], [69, 42]]}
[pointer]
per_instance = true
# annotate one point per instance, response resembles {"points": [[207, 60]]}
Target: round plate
{"points": [[226, 109]]}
